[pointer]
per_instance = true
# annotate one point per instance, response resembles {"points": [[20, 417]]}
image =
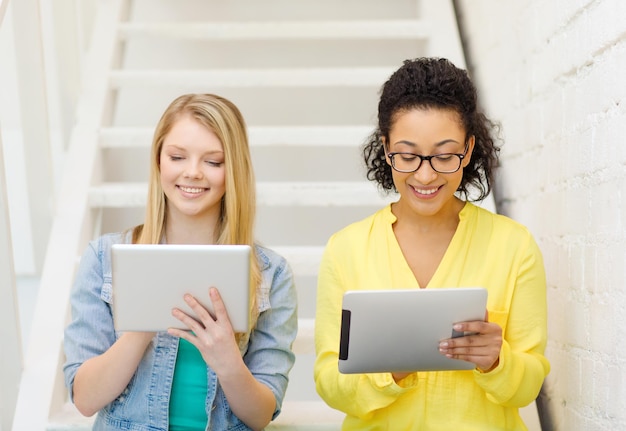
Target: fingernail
{"points": [[457, 327], [443, 345]]}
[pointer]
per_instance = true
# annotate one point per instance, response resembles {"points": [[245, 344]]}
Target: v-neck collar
{"points": [[401, 273]]}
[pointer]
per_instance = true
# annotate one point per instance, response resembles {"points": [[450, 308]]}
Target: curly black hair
{"points": [[426, 83]]}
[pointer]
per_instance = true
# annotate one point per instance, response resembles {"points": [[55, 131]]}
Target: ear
{"points": [[471, 141], [386, 149]]}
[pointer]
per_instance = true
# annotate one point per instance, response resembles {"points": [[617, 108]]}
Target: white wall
{"points": [[553, 73]]}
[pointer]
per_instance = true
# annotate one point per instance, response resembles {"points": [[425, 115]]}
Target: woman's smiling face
{"points": [[428, 132], [192, 170]]}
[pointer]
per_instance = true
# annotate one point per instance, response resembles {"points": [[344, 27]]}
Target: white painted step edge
{"points": [[295, 416], [273, 30], [303, 260], [245, 78], [305, 340], [340, 194], [258, 136]]}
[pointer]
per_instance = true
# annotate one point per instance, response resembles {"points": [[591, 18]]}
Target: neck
{"points": [[446, 219], [189, 230]]}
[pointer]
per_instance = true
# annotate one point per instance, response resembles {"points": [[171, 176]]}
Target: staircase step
{"points": [[307, 416], [245, 78], [304, 261], [312, 415], [273, 30], [69, 419], [345, 193], [305, 340], [258, 136]]}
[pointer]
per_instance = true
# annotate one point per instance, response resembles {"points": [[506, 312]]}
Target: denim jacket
{"points": [[144, 404]]}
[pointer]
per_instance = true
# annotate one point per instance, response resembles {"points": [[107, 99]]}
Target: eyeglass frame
{"points": [[461, 156]]}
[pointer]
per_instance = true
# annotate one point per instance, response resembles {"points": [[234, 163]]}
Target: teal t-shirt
{"points": [[189, 390]]}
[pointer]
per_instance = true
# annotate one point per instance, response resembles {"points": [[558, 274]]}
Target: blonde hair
{"points": [[238, 207]]}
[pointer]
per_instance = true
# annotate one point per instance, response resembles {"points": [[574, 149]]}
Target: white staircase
{"points": [[306, 76]]}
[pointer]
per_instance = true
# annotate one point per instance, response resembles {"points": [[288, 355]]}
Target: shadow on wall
{"points": [[543, 408]]}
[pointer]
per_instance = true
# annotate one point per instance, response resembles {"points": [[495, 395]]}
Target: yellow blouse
{"points": [[487, 250]]}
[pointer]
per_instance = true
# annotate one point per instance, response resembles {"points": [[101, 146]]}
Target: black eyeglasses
{"points": [[446, 163]]}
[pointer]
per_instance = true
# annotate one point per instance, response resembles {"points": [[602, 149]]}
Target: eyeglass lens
{"points": [[444, 163]]}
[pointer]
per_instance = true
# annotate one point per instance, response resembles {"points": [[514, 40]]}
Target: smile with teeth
{"points": [[191, 189], [426, 191]]}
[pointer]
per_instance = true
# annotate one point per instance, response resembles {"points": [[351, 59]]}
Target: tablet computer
{"points": [[149, 280], [400, 330]]}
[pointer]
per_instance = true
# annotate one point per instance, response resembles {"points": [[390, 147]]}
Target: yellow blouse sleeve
{"points": [[517, 379], [338, 390]]}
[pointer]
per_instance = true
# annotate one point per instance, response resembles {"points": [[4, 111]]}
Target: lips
{"points": [[193, 190], [425, 192]]}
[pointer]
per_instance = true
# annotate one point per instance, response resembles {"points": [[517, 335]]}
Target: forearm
{"points": [[517, 379], [102, 378], [250, 400], [358, 395]]}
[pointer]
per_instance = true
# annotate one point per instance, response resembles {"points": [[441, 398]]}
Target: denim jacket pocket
{"points": [[263, 295], [107, 291]]}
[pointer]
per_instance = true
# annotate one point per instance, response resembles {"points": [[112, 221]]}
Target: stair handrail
{"points": [[3, 8], [11, 339], [42, 391]]}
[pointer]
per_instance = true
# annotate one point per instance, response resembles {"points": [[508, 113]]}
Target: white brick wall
{"points": [[554, 74]]}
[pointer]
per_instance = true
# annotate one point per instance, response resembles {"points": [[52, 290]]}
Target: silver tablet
{"points": [[149, 280], [400, 330]]}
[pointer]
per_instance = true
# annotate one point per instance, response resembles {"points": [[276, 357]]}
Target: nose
{"points": [[192, 169], [425, 174]]}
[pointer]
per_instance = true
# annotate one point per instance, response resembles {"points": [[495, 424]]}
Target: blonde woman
{"points": [[201, 191]]}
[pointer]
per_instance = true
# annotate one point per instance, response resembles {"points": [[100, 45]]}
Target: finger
{"points": [[462, 345], [484, 363], [477, 349], [477, 327], [483, 358], [218, 305], [480, 355], [202, 313], [181, 333], [187, 320]]}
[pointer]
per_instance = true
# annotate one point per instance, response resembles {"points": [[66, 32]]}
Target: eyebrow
{"points": [[437, 144], [185, 150]]}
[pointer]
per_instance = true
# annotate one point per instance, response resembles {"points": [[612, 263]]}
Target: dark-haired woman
{"points": [[437, 150]]}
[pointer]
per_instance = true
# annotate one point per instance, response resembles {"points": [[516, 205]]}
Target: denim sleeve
{"points": [[90, 331], [269, 356]]}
